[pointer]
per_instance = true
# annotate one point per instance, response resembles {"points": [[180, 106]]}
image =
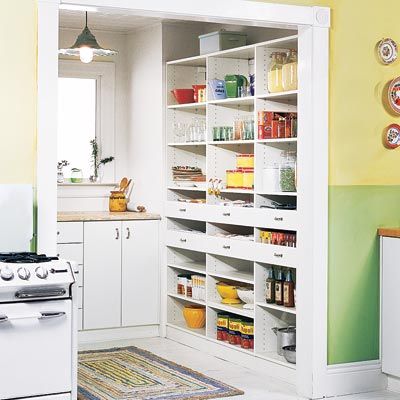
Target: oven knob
{"points": [[24, 273], [41, 272], [6, 274]]}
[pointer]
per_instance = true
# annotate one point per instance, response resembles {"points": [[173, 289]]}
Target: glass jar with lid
{"points": [[289, 71], [275, 72], [288, 172]]}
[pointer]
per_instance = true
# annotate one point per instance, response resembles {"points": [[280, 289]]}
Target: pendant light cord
{"points": [[86, 19]]}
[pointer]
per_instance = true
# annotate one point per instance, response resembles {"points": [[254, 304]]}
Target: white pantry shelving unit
{"points": [[194, 244]]}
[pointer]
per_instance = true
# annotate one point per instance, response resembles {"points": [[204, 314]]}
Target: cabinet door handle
{"points": [[58, 233], [278, 255], [116, 233], [183, 240], [278, 218], [226, 214], [226, 247], [128, 233], [182, 209]]}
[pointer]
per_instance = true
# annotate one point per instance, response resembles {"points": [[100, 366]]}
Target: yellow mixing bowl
{"points": [[195, 316], [228, 293]]}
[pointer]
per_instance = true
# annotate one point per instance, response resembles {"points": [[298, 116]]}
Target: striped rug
{"points": [[131, 373]]}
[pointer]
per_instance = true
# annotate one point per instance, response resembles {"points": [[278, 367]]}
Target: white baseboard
{"points": [[393, 384], [106, 335], [343, 379], [232, 355]]}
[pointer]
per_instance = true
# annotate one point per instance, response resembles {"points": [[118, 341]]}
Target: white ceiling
{"points": [[104, 21]]}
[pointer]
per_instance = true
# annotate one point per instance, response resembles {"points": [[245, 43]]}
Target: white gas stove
{"points": [[37, 327]]}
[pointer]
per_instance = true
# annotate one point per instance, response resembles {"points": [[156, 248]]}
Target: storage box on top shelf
{"points": [[221, 40]]}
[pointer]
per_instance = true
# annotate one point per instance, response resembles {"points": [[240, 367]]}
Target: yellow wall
{"points": [[357, 117], [18, 43]]}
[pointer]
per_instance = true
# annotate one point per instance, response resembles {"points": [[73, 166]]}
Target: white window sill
{"points": [[68, 184], [85, 190]]}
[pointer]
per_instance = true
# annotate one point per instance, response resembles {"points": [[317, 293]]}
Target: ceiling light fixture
{"points": [[86, 47]]}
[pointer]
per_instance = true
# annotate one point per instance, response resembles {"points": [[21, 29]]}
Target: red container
{"points": [[196, 89], [183, 96]]}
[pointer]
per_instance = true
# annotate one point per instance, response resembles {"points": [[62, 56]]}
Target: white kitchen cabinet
{"points": [[390, 303], [140, 273], [102, 261]]}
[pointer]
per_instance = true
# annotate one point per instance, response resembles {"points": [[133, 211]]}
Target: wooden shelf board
{"points": [[234, 276], [188, 188], [232, 308], [187, 106], [230, 142], [183, 327], [276, 358], [288, 310], [231, 346], [185, 144], [247, 191], [240, 101], [290, 95], [187, 299], [190, 266], [285, 140]]}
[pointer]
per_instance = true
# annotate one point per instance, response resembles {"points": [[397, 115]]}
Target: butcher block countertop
{"points": [[389, 232], [82, 216]]}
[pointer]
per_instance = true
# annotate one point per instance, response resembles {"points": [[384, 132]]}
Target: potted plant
{"points": [[60, 174], [97, 161]]}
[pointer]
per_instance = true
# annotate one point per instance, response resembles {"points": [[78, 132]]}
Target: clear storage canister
{"points": [[271, 178], [287, 172]]}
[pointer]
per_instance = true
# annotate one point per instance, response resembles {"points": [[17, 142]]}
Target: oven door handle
{"points": [[31, 294], [39, 315]]}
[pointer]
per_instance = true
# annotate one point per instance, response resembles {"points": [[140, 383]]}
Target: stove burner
{"points": [[25, 258]]}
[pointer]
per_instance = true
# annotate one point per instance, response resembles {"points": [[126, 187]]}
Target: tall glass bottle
{"points": [[289, 71], [270, 287], [275, 72], [279, 288]]}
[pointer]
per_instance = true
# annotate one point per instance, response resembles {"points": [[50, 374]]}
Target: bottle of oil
{"points": [[270, 287], [279, 288], [288, 290]]}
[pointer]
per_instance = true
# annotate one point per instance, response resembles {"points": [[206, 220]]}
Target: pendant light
{"points": [[86, 47]]}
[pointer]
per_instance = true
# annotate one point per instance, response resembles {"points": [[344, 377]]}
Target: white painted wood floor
{"points": [[257, 386]]}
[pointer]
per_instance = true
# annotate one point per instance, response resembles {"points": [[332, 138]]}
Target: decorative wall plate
{"points": [[394, 95], [387, 51], [392, 136]]}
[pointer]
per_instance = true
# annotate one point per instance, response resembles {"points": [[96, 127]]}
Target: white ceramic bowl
{"points": [[247, 296]]}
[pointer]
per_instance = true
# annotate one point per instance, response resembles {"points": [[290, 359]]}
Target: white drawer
{"points": [[236, 248], [231, 215], [71, 252], [187, 240], [277, 255], [177, 209], [80, 320], [276, 219], [70, 232], [80, 298]]}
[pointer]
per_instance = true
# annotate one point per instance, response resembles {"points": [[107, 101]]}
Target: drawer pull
{"points": [[58, 233], [183, 240], [226, 247], [278, 218], [116, 233], [278, 255], [226, 214], [128, 233], [182, 209]]}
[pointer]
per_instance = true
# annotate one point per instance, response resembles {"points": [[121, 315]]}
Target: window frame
{"points": [[104, 73]]}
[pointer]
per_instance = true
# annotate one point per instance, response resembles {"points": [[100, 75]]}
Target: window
{"points": [[76, 122], [86, 112]]}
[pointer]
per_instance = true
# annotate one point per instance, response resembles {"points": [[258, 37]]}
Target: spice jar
{"points": [[275, 72], [289, 71], [117, 201]]}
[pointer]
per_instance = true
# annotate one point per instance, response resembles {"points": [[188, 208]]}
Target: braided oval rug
{"points": [[131, 373]]}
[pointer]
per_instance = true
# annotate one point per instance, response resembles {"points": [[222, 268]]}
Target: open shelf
{"points": [[187, 299], [187, 106], [282, 140], [276, 358], [289, 310], [183, 327], [244, 101], [193, 266], [290, 95], [232, 308], [187, 188], [234, 276], [231, 346], [185, 144]]}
